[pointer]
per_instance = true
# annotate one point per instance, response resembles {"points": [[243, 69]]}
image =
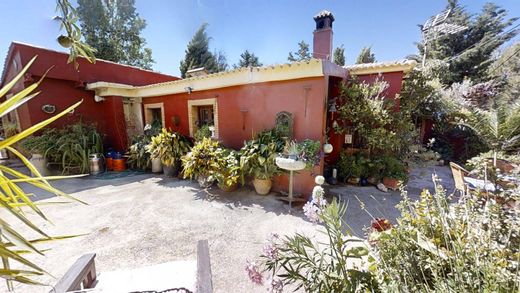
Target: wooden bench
{"points": [[82, 274]]}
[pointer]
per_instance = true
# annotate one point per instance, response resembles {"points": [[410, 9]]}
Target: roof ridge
{"points": [[97, 59]]}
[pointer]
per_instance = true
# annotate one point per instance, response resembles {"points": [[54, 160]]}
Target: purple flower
{"points": [[311, 211], [253, 273], [270, 248], [276, 286]]}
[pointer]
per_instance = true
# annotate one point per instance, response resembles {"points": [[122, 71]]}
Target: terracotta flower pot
{"points": [[391, 183], [262, 186]]}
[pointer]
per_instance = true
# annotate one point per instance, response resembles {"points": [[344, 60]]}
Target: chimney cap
{"points": [[324, 14]]}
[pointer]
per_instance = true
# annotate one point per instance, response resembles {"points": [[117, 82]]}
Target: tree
{"points": [[198, 54], [339, 56], [113, 28], [302, 54], [366, 56], [221, 59], [248, 59], [469, 53], [506, 70]]}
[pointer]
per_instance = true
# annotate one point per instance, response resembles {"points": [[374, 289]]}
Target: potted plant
{"points": [[169, 147], [37, 146], [229, 172], [258, 160], [394, 171], [203, 162]]}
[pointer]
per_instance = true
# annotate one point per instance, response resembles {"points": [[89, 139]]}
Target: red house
{"points": [[64, 85], [239, 103]]}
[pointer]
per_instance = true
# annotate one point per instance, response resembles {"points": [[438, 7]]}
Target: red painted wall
{"points": [[262, 102], [64, 85], [63, 94]]}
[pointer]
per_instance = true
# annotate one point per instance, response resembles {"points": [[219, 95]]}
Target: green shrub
{"points": [[138, 155], [349, 165], [393, 168], [202, 132], [257, 156], [315, 266], [203, 160], [438, 246], [70, 147], [229, 171], [168, 146]]}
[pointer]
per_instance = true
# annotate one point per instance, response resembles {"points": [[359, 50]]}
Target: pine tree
{"points": [[248, 59], [302, 54], [198, 54], [114, 28], [366, 56], [339, 56], [221, 59], [469, 53]]}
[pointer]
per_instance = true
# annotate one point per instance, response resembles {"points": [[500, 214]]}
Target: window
{"points": [[203, 112], [154, 114]]}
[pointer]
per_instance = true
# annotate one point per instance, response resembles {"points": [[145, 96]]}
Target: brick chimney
{"points": [[322, 42]]}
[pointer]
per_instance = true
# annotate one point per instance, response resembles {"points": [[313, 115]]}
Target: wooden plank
{"points": [[82, 272], [204, 283]]}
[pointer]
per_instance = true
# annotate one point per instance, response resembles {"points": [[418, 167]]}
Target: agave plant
{"points": [[13, 245]]}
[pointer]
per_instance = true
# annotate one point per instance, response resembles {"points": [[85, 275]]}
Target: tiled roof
{"points": [[381, 67]]}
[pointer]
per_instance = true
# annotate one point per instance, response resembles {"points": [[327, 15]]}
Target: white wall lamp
{"points": [[188, 89], [98, 99]]}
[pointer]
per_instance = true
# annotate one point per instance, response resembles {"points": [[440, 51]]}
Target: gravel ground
{"points": [[145, 219], [142, 220]]}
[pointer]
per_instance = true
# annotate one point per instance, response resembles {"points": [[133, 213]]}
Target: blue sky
{"points": [[270, 28]]}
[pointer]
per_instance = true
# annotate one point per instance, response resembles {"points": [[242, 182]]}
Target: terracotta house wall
{"points": [[304, 98], [63, 94], [64, 85]]}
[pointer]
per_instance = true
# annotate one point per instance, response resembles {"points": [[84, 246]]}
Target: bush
{"points": [[393, 168], [202, 132], [203, 159], [315, 266], [169, 147], [70, 147], [229, 171], [470, 246], [257, 156]]}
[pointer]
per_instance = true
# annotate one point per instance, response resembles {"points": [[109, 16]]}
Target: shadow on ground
{"points": [[366, 203]]}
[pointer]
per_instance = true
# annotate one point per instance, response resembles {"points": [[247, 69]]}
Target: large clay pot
{"points": [[156, 165], [169, 171], [40, 163], [391, 183], [262, 186]]}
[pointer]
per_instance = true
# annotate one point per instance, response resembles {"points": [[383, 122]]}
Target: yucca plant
{"points": [[13, 245]]}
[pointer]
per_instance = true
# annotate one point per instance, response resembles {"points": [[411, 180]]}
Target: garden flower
{"points": [[311, 211], [270, 248], [276, 286], [253, 273]]}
